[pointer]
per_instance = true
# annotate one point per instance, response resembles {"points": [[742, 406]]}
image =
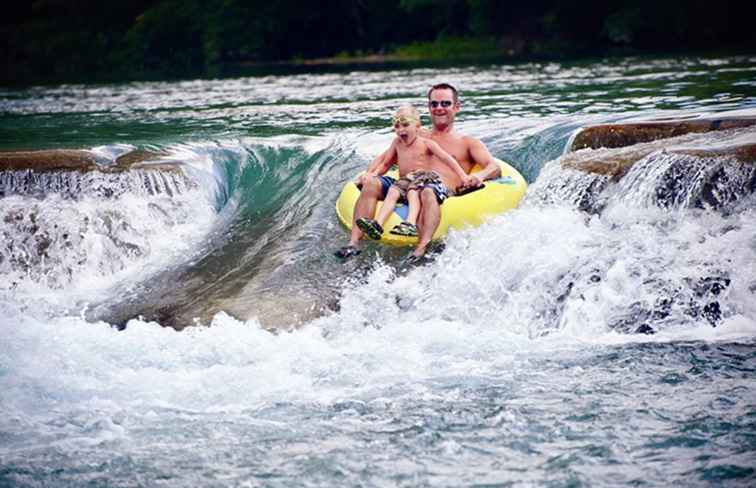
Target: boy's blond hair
{"points": [[406, 113]]}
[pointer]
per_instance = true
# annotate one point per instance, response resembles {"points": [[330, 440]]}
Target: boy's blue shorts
{"points": [[386, 182]]}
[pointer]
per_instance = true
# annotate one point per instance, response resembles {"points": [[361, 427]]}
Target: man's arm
{"points": [[479, 155]]}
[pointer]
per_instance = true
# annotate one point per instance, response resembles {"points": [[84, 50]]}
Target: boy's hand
{"points": [[470, 181]]}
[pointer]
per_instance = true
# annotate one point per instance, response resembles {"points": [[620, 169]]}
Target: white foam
{"points": [[64, 251]]}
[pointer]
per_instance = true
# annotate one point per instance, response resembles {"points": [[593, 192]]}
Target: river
{"points": [[512, 359]]}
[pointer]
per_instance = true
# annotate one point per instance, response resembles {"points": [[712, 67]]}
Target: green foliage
{"points": [[167, 39], [621, 27], [89, 40], [57, 39], [449, 48]]}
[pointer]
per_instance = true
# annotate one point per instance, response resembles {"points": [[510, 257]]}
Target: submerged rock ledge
{"points": [[686, 163], [622, 135], [75, 173], [82, 161], [714, 169], [737, 146]]}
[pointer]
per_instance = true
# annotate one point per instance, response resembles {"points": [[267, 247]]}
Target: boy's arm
{"points": [[448, 160]]}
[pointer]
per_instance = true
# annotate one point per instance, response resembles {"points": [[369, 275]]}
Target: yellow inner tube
{"points": [[470, 210]]}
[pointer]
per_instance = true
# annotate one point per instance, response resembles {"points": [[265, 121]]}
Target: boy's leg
{"points": [[408, 227], [413, 201], [389, 203]]}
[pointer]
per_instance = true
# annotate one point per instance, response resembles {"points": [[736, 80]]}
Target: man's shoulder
{"points": [[469, 140], [455, 137], [425, 139]]}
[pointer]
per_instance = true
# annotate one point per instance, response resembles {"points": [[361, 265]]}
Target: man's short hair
{"points": [[444, 86]]}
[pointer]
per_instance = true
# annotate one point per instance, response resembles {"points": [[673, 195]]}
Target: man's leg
{"points": [[364, 207], [430, 217]]}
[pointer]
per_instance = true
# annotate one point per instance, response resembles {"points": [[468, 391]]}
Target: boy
{"points": [[422, 164], [443, 106]]}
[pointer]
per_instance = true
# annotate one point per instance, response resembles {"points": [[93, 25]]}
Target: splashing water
{"points": [[508, 360]]}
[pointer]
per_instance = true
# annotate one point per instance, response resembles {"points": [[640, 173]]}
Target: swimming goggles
{"points": [[404, 119]]}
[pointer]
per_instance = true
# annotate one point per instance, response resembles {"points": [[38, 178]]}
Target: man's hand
{"points": [[364, 178]]}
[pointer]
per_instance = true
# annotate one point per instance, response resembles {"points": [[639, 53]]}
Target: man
{"points": [[443, 105]]}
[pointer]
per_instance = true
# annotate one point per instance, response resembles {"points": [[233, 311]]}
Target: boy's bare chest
{"points": [[416, 152]]}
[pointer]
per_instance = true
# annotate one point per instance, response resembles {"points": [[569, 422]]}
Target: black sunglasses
{"points": [[443, 103]]}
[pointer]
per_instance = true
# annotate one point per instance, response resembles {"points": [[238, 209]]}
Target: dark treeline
{"points": [[89, 40]]}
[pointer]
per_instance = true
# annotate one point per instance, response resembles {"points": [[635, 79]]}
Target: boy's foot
{"points": [[371, 228], [405, 229], [347, 252]]}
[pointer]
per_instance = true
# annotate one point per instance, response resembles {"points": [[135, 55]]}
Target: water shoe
{"points": [[371, 228], [404, 229], [347, 252]]}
